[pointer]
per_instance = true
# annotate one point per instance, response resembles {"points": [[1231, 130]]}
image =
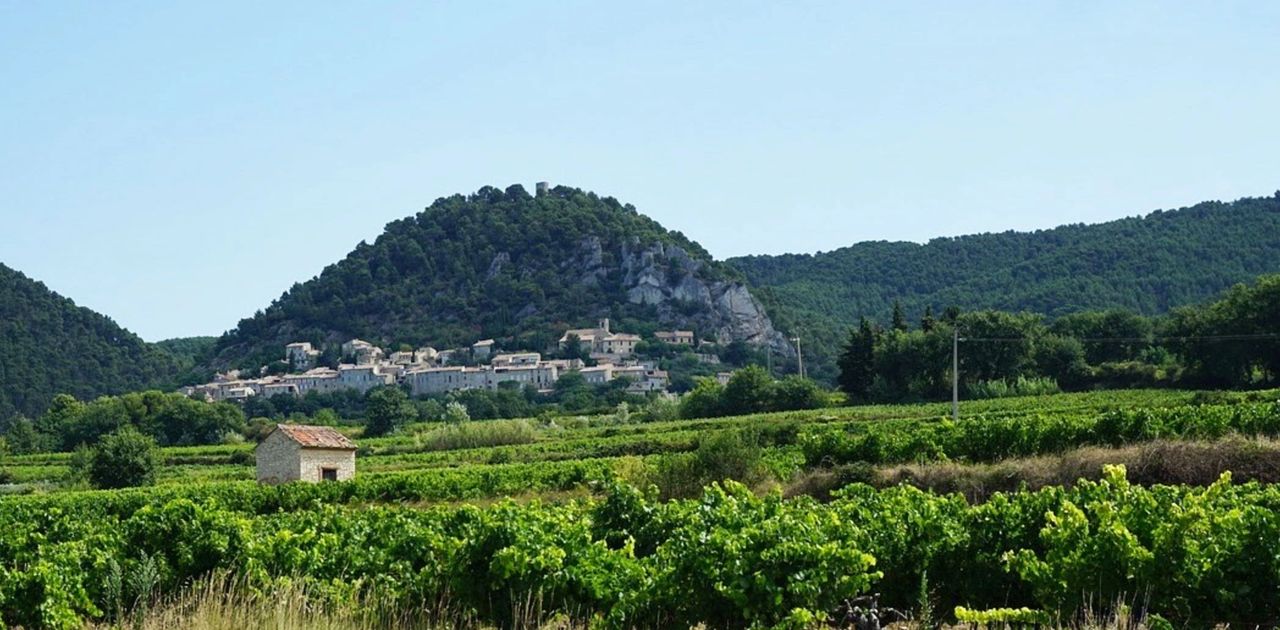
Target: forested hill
{"points": [[508, 265], [1145, 264], [50, 346]]}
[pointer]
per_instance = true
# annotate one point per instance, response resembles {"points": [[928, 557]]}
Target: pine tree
{"points": [[856, 369], [899, 318], [927, 322]]}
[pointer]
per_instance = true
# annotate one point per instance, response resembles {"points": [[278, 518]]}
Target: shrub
{"points": [[121, 459], [661, 409], [1022, 386], [796, 392], [720, 456], [704, 400]]}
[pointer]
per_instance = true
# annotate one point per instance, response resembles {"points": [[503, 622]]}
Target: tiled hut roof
{"points": [[316, 437]]}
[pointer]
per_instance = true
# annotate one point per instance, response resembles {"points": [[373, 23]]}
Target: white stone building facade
{"points": [[305, 453]]}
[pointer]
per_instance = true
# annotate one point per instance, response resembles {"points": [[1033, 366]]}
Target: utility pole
{"points": [[799, 356], [955, 373]]}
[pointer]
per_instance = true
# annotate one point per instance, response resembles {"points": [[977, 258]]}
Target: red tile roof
{"points": [[316, 437]]}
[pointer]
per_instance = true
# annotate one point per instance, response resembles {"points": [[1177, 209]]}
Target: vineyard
{"points": [[617, 524]]}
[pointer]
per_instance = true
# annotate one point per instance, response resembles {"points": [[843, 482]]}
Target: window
{"points": [[328, 474]]}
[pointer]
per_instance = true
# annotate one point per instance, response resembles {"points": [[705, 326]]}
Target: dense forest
{"points": [[50, 346], [495, 263], [1146, 265]]}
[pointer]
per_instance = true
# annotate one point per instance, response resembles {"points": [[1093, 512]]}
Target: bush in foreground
{"points": [[121, 459]]}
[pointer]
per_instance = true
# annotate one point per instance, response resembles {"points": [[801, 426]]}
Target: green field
{"points": [[619, 524]]}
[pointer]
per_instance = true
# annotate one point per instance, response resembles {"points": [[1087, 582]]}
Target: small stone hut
{"points": [[297, 452]]}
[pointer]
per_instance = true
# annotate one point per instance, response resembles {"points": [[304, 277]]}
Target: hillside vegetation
{"points": [[1145, 265], [522, 268], [50, 346], [494, 263]]}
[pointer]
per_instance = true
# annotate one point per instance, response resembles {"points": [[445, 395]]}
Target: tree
{"points": [[122, 459], [573, 349], [456, 413], [857, 361], [1127, 334], [911, 365], [796, 392], [1250, 313], [63, 412], [430, 410], [23, 438], [1062, 359], [170, 418], [749, 390], [704, 400], [928, 321], [1009, 356], [325, 417], [386, 410], [899, 321], [736, 352]]}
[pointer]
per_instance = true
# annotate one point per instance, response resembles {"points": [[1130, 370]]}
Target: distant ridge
{"points": [[1146, 264], [50, 346], [521, 268]]}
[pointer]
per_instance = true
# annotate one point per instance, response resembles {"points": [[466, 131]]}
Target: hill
{"points": [[50, 346], [508, 265], [1143, 264]]}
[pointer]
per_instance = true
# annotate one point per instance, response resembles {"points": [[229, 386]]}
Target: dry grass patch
{"points": [[1158, 462]]}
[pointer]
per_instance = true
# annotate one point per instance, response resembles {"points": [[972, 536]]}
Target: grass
{"points": [[221, 602], [478, 435]]}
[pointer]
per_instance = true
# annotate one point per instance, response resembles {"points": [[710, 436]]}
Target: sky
{"points": [[178, 166]]}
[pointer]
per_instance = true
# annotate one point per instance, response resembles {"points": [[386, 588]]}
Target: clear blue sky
{"points": [[178, 167]]}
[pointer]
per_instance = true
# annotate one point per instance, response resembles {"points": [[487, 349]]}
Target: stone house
{"points": [[422, 381], [301, 356], [675, 337], [296, 452], [600, 341], [362, 377], [597, 374], [644, 378], [279, 388], [618, 345], [362, 352], [404, 357], [516, 358], [541, 376], [482, 349], [321, 380]]}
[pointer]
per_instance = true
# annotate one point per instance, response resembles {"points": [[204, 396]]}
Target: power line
{"points": [[1242, 337]]}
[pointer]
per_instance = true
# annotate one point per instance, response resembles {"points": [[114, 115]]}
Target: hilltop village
{"points": [[426, 371]]}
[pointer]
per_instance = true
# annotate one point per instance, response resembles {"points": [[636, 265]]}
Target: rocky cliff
{"points": [[669, 278]]}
